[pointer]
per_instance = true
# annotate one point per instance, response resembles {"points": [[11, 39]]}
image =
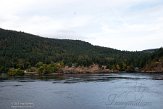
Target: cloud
{"points": [[121, 24]]}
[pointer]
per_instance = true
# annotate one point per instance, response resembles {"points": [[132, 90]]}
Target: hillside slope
{"points": [[155, 63], [23, 50]]}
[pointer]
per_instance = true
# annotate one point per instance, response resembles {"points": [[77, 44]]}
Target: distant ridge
{"points": [[151, 50]]}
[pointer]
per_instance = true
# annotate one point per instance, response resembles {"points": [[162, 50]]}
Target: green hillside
{"points": [[155, 63], [23, 50]]}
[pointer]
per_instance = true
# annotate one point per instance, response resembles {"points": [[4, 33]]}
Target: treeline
{"points": [[23, 51], [40, 69], [155, 62]]}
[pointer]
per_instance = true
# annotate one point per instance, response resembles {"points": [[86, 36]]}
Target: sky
{"points": [[122, 24]]}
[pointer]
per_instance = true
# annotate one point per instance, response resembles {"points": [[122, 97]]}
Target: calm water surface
{"points": [[83, 91]]}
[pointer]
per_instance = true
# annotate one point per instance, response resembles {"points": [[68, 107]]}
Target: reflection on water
{"points": [[74, 78], [83, 91]]}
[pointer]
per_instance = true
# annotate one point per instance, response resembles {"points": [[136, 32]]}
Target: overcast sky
{"points": [[121, 24]]}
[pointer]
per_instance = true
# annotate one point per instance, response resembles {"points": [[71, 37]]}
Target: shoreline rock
{"points": [[91, 69]]}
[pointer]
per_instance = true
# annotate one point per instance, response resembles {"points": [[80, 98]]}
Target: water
{"points": [[83, 91]]}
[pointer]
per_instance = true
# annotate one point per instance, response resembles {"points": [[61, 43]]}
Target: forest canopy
{"points": [[21, 50]]}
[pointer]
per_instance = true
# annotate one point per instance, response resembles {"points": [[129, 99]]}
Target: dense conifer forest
{"points": [[22, 51]]}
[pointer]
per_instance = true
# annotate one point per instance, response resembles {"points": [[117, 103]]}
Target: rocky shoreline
{"points": [[91, 69]]}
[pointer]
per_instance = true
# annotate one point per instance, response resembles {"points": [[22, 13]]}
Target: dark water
{"points": [[96, 91]]}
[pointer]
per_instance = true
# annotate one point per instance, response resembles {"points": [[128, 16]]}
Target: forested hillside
{"points": [[155, 63], [23, 50]]}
